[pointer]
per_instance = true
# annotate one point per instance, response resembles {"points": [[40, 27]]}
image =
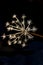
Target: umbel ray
{"points": [[23, 32]]}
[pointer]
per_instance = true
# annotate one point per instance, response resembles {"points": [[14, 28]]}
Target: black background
{"points": [[31, 8], [33, 53]]}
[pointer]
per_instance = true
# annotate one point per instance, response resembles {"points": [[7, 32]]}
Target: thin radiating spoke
{"points": [[17, 38], [15, 34], [15, 27], [19, 22]]}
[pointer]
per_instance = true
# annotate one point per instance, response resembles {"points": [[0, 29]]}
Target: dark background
{"points": [[33, 53]]}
